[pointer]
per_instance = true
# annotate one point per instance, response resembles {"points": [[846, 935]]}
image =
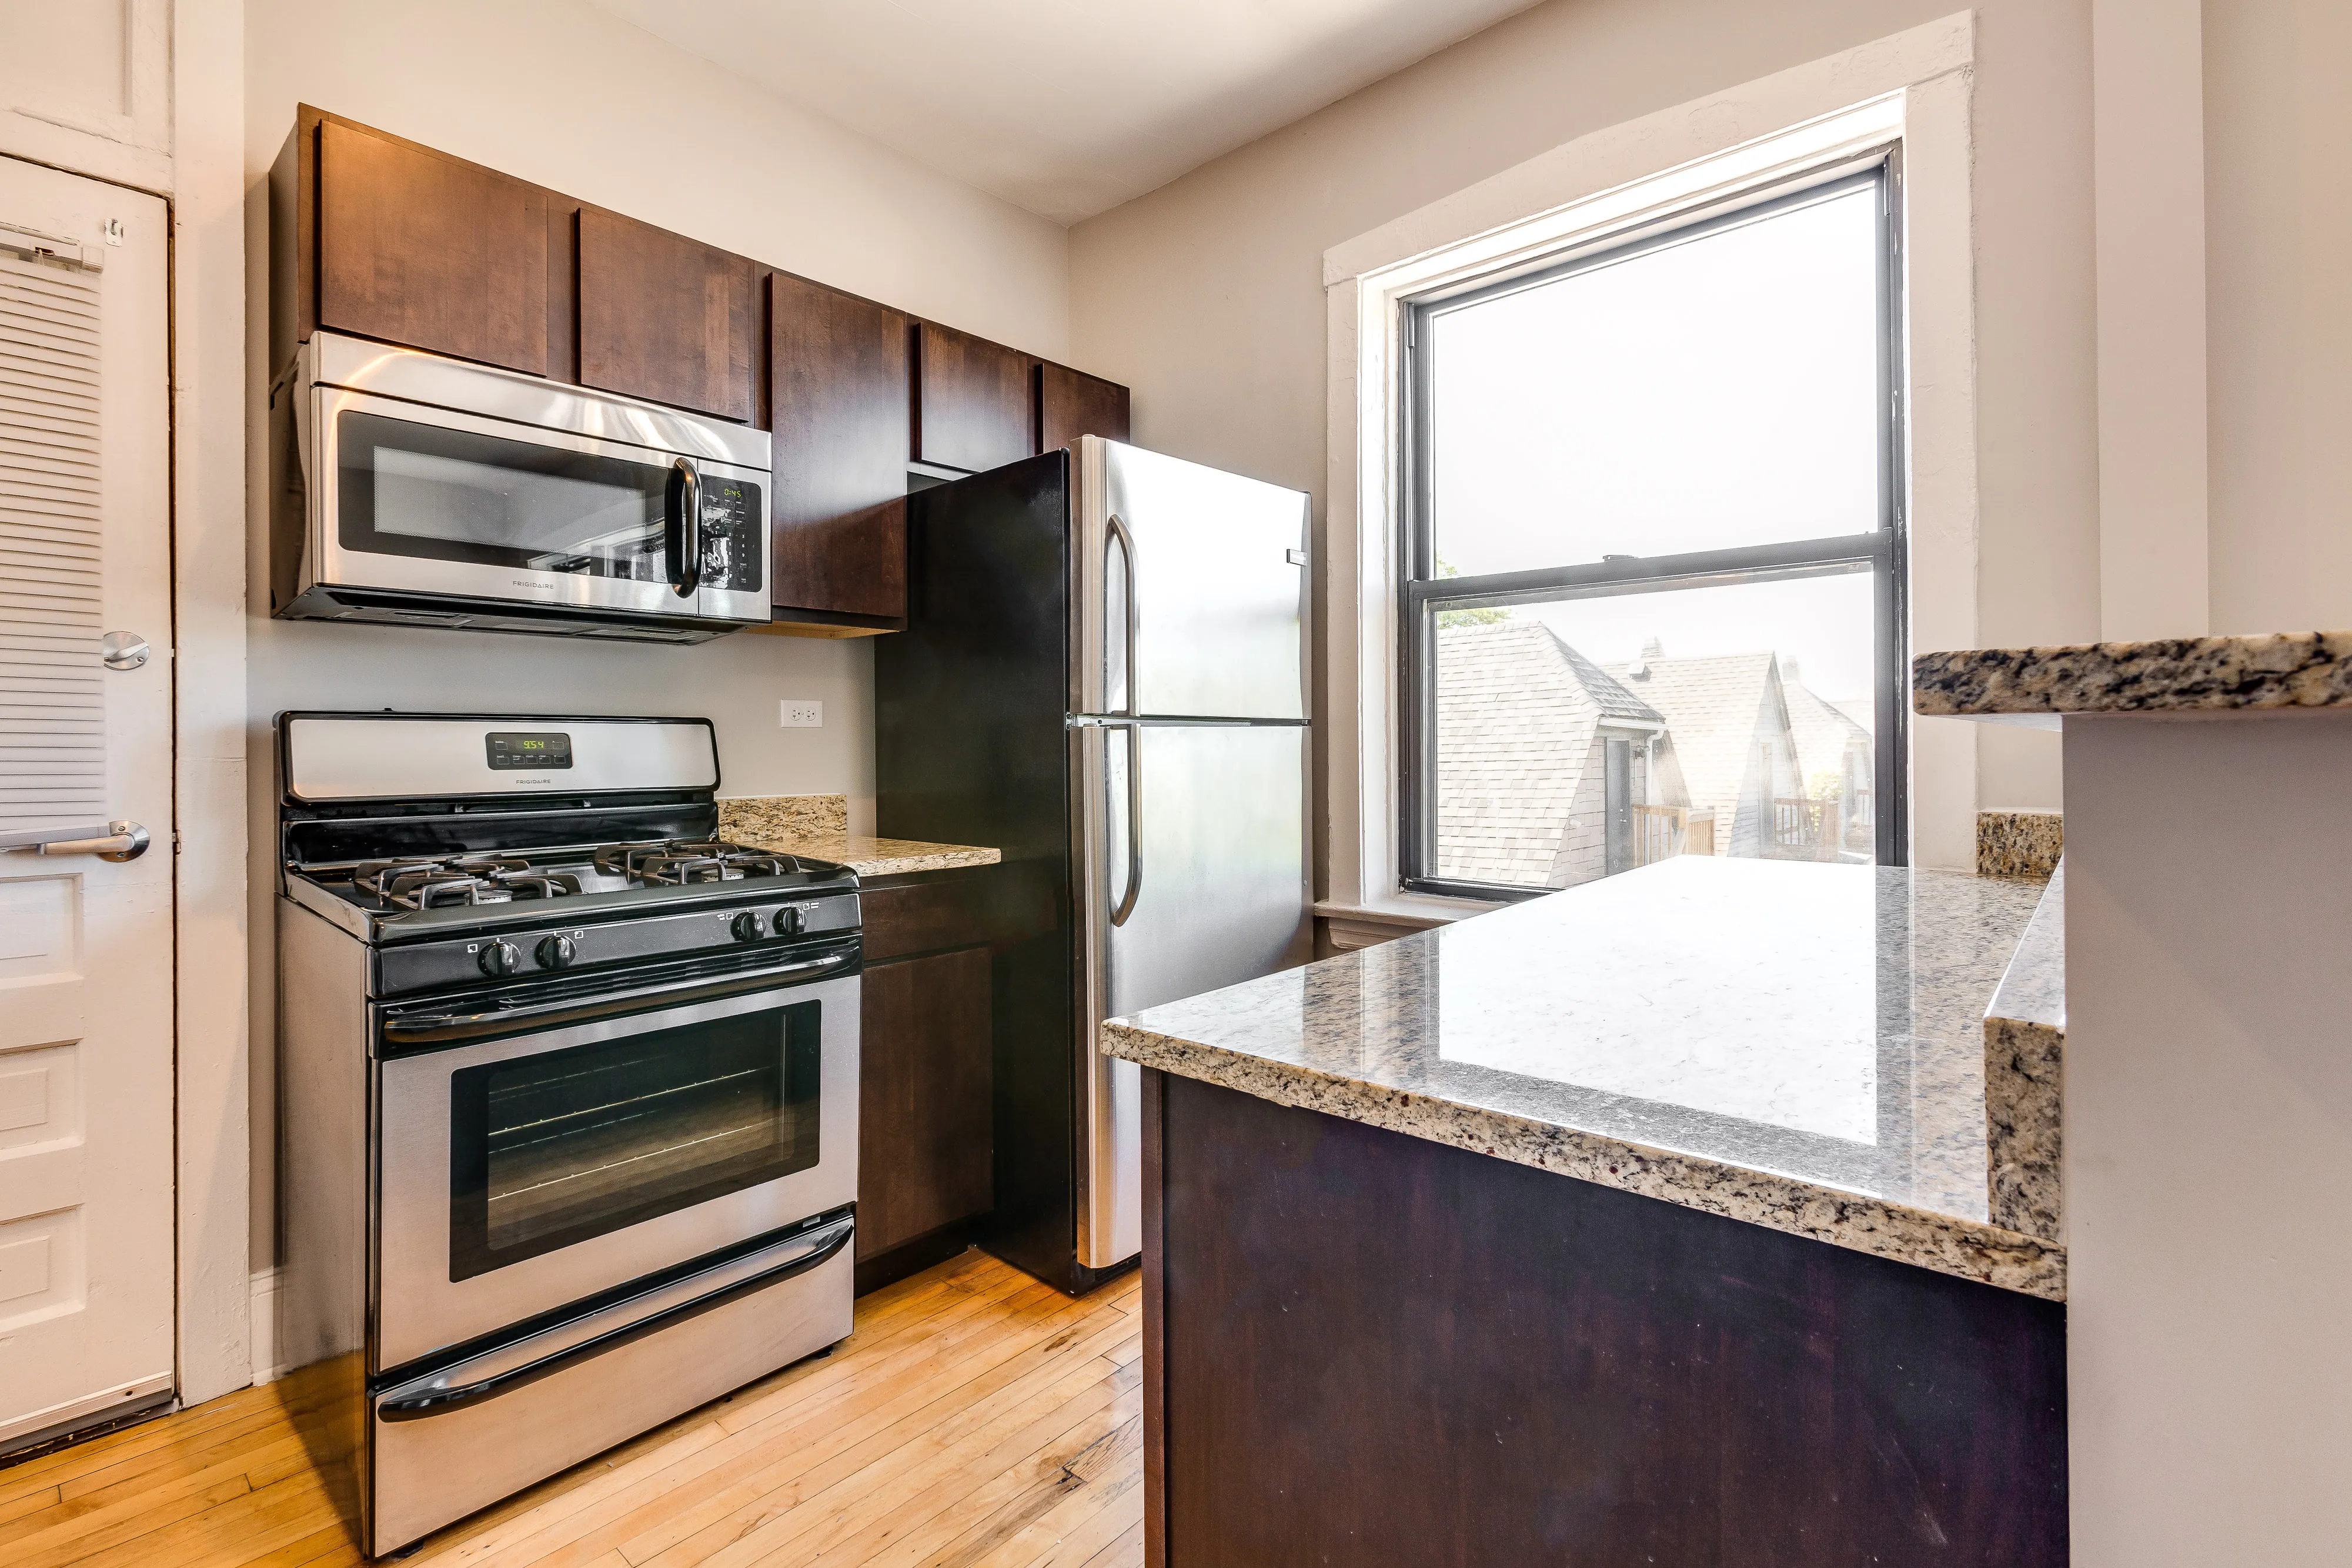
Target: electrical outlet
{"points": [[800, 713]]}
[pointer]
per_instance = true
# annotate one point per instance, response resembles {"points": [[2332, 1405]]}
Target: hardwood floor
{"points": [[974, 1419]]}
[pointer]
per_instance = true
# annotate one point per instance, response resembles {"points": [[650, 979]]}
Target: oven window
{"points": [[549, 1150], [415, 489]]}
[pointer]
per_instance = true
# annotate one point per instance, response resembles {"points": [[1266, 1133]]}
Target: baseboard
{"points": [[265, 1326], [913, 1257]]}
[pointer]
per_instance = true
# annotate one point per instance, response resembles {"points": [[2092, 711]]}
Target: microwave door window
{"points": [[422, 490]]}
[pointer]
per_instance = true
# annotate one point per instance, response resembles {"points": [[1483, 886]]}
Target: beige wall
{"points": [[1206, 296], [2278, 208], [571, 98]]}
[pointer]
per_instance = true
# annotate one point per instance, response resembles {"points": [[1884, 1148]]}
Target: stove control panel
{"points": [[411, 968]]}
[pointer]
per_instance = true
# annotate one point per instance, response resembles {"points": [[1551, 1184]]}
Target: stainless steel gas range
{"points": [[568, 1094]]}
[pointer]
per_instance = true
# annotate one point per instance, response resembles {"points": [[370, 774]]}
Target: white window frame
{"points": [[1910, 90]]}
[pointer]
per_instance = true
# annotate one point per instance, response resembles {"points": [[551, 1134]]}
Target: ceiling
{"points": [[1064, 107]]}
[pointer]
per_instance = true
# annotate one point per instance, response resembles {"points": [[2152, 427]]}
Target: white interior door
{"points": [[86, 1059]]}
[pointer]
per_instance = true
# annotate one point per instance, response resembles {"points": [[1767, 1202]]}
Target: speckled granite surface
{"points": [[817, 825], [2019, 843], [2025, 1048], [784, 816], [2186, 675], [1798, 1046]]}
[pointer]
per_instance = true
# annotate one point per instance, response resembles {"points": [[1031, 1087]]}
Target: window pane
{"points": [[1586, 736], [1720, 392]]}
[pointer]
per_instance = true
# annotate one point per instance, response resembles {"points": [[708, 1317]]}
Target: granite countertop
{"points": [[1796, 1045], [2025, 1048], [2186, 675], [818, 826]]}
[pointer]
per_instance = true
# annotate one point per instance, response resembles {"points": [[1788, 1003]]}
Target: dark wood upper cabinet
{"points": [[1071, 403], [840, 388], [422, 249], [379, 237], [972, 401], [665, 317]]}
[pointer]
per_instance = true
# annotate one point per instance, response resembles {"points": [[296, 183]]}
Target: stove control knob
{"points": [[789, 922], [556, 952], [500, 958], [746, 926]]}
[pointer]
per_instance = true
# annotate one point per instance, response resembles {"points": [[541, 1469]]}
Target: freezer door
{"points": [[1194, 878], [1197, 576]]}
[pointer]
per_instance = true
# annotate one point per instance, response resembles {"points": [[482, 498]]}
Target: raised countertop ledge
{"points": [[2186, 675], [818, 826], [1797, 1046]]}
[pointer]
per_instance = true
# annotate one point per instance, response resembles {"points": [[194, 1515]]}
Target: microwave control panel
{"points": [[730, 534]]}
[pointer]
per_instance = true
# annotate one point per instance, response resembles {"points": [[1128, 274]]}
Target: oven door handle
{"points": [[603, 1004], [436, 1400]]}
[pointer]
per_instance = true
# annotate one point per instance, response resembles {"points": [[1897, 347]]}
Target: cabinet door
{"points": [[429, 252], [1071, 403], [925, 1150], [664, 317], [840, 376], [972, 401]]}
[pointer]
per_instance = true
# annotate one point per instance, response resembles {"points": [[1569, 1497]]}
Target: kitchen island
{"points": [[2207, 1033], [1652, 1220]]}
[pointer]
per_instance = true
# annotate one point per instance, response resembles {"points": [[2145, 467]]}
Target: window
{"points": [[1653, 584]]}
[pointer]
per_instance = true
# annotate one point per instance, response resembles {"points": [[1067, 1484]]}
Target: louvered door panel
{"points": [[52, 707]]}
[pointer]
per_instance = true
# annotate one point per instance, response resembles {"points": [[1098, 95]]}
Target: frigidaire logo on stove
{"points": [[531, 583]]}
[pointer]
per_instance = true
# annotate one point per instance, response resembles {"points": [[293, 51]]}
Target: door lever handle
{"points": [[123, 841]]}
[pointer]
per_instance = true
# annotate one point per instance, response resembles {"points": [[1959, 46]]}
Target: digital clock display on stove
{"points": [[529, 748]]}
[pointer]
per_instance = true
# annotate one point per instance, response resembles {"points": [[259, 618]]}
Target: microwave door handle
{"points": [[682, 527]]}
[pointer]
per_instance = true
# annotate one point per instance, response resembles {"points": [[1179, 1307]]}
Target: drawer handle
{"points": [[439, 1401]]}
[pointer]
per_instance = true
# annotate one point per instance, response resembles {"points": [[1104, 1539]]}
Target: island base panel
{"points": [[1362, 1346]]}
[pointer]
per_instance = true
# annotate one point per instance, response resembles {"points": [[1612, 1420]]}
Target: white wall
{"points": [[572, 98], [1206, 296], [2278, 206], [2208, 1126]]}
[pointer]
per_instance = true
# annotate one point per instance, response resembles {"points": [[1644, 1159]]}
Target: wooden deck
{"points": [[975, 1419]]}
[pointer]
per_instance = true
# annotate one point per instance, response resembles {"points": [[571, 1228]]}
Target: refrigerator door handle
{"points": [[1116, 534], [1126, 905]]}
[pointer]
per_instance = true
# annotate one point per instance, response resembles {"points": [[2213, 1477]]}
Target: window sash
{"points": [[1881, 552]]}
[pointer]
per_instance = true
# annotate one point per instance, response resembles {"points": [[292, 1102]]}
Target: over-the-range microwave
{"points": [[420, 490]]}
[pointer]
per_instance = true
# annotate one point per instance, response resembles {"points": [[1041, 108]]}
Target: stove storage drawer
{"points": [[447, 1445]]}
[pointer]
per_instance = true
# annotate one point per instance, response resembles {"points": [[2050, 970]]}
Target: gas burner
{"points": [[486, 865], [537, 883], [678, 869], [432, 887], [460, 879], [675, 863]]}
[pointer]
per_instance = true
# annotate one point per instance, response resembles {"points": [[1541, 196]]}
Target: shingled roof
{"points": [[1715, 706], [1518, 712], [1823, 732]]}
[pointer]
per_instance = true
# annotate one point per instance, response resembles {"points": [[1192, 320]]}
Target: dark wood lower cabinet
{"points": [[925, 1152], [1364, 1347]]}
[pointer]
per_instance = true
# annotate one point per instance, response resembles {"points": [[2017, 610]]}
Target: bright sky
{"points": [[1719, 393]]}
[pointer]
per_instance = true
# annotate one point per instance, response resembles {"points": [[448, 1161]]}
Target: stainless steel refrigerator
{"points": [[1103, 675]]}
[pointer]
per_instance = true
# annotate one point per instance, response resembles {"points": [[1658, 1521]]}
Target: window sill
{"points": [[1407, 912]]}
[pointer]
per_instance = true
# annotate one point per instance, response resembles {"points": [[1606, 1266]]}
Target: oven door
{"points": [[519, 1175], [406, 497]]}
